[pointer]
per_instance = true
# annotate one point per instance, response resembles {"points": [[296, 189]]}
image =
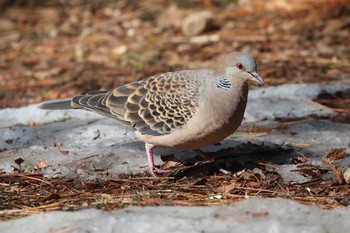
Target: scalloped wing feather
{"points": [[154, 106], [159, 104]]}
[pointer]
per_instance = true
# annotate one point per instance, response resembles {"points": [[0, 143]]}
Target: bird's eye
{"points": [[240, 66]]}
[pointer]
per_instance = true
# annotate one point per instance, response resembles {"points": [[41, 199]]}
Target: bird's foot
{"points": [[156, 170], [153, 168], [161, 171]]}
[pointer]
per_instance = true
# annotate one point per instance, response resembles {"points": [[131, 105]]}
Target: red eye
{"points": [[240, 66]]}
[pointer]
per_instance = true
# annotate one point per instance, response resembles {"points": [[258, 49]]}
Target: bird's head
{"points": [[242, 66]]}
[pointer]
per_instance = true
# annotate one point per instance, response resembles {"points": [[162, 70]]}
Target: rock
{"points": [[346, 175], [252, 215], [291, 101], [7, 39], [196, 23], [170, 18], [6, 25], [87, 138]]}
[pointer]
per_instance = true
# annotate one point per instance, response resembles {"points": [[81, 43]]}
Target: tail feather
{"points": [[58, 104]]}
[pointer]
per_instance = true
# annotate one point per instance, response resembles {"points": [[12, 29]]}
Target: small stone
{"points": [[119, 50], [79, 53], [7, 25], [196, 23], [346, 175], [8, 39]]}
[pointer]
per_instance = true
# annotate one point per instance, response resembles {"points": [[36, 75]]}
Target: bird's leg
{"points": [[150, 158]]}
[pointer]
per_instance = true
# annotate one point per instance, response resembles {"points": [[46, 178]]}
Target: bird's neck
{"points": [[227, 93], [231, 88], [221, 107]]}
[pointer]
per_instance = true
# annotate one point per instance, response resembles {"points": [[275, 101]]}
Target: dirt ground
{"points": [[59, 49]]}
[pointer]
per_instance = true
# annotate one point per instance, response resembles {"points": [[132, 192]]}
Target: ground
{"points": [[57, 50]]}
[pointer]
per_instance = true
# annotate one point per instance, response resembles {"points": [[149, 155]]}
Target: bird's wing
{"points": [[157, 105], [154, 106]]}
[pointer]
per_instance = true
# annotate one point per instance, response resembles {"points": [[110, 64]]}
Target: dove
{"points": [[185, 110]]}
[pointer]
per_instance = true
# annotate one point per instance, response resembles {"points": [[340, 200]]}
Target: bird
{"points": [[185, 110]]}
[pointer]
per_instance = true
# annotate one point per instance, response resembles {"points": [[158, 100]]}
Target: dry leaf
{"points": [[58, 144], [64, 152], [334, 154], [40, 164]]}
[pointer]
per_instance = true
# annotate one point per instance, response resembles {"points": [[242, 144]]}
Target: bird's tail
{"points": [[58, 104]]}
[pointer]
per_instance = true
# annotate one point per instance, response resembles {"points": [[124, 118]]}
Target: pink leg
{"points": [[150, 158]]}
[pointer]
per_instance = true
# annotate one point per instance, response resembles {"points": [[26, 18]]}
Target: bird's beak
{"points": [[256, 77]]}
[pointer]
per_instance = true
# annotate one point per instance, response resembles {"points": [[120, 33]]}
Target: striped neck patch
{"points": [[222, 83]]}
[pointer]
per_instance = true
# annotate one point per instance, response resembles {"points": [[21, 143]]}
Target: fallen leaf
{"points": [[54, 196], [64, 152], [337, 173], [297, 160], [334, 154], [40, 164], [58, 144], [258, 214], [33, 123], [19, 161]]}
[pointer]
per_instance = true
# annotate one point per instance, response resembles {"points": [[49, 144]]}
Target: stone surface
{"points": [[290, 101], [76, 143], [252, 215]]}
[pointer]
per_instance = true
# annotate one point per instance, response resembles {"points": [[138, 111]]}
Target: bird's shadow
{"points": [[234, 159]]}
